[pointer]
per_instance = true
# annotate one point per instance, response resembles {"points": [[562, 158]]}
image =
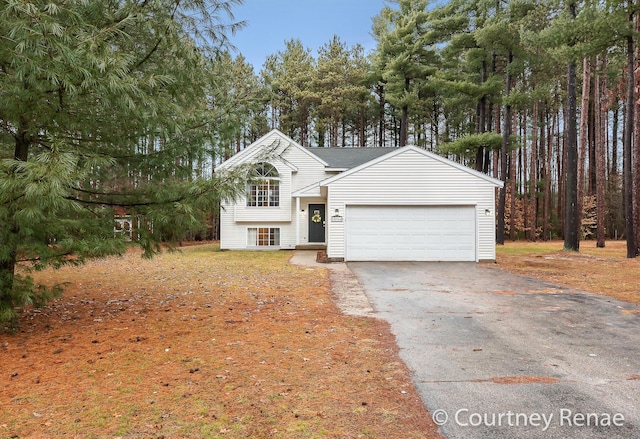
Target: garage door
{"points": [[410, 233]]}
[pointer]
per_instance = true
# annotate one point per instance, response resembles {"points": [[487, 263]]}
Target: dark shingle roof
{"points": [[349, 157]]}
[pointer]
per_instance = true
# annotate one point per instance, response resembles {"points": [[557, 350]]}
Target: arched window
{"points": [[264, 188]]}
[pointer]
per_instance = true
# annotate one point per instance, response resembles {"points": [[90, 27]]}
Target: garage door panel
{"points": [[418, 233]]}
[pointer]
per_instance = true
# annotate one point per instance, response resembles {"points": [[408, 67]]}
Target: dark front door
{"points": [[316, 222]]}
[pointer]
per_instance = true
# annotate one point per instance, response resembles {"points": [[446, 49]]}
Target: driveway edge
{"points": [[346, 291]]}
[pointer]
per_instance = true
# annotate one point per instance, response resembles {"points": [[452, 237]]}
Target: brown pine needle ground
{"points": [[605, 271], [199, 344]]}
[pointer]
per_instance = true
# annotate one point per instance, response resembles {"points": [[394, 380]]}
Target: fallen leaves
{"points": [[604, 271], [202, 343]]}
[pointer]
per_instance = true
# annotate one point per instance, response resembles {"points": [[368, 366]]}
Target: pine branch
{"points": [[127, 203], [106, 194], [155, 47], [39, 259]]}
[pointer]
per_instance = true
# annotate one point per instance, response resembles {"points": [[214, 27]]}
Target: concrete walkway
{"points": [[347, 292]]}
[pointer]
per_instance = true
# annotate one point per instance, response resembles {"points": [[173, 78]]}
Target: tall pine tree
{"points": [[102, 108]]}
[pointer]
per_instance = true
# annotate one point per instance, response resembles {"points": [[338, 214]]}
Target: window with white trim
{"points": [[264, 189], [263, 236]]}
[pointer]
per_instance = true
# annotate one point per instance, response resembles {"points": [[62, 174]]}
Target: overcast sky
{"points": [[314, 22]]}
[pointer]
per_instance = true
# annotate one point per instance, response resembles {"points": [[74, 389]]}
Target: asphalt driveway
{"points": [[495, 355]]}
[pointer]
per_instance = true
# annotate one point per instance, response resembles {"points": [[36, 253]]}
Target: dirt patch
{"points": [[346, 291], [523, 379], [203, 343]]}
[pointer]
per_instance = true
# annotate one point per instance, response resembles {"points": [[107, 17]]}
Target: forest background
{"points": [[125, 109], [443, 79]]}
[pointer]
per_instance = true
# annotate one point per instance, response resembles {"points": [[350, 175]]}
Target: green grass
{"points": [[523, 248]]}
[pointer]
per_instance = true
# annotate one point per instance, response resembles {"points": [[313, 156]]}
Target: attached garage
{"points": [[361, 204], [410, 233], [411, 205]]}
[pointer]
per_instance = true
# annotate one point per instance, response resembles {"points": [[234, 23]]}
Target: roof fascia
{"points": [[255, 148], [424, 152], [246, 153], [303, 192]]}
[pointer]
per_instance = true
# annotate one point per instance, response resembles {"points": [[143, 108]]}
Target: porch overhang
{"points": [[312, 191]]}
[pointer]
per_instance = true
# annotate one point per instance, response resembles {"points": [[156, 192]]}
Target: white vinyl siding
{"points": [[297, 169], [411, 178], [406, 177]]}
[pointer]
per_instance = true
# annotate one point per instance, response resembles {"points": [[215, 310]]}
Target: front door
{"points": [[316, 222]]}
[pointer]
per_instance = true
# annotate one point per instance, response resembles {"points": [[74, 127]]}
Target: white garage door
{"points": [[410, 233]]}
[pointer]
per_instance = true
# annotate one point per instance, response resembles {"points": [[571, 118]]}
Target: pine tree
{"points": [[572, 214], [102, 107], [407, 54], [289, 76], [341, 88]]}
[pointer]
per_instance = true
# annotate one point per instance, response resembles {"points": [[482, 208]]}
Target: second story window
{"points": [[264, 188]]}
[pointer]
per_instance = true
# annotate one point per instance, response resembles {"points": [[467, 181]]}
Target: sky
{"points": [[314, 22]]}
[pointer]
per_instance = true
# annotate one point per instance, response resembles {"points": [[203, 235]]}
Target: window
{"points": [[264, 189], [263, 237]]}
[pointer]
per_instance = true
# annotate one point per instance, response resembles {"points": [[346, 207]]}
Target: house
{"points": [[363, 204]]}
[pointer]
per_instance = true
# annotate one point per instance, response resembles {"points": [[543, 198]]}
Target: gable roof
{"points": [[404, 149], [259, 146], [347, 158]]}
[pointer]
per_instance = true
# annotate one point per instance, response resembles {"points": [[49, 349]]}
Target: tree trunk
{"points": [[513, 190], [583, 137], [561, 159], [632, 250], [533, 177], [481, 126], [334, 129], [522, 172], [321, 129], [636, 151], [362, 127], [613, 169], [546, 151], [600, 152], [504, 154], [404, 121], [8, 234], [381, 104], [616, 207], [572, 211], [10, 230]]}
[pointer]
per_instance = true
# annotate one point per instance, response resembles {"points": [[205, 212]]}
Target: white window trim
{"points": [[273, 184], [272, 234]]}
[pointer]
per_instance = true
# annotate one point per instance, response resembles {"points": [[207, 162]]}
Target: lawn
{"points": [[207, 344], [604, 271], [202, 344]]}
